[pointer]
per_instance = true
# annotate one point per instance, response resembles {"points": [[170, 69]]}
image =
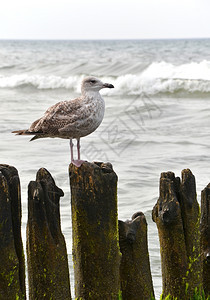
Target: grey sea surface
{"points": [[157, 118]]}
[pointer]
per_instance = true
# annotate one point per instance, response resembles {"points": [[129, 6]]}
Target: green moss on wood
{"points": [[177, 215], [12, 268], [95, 231], [135, 270], [46, 249]]}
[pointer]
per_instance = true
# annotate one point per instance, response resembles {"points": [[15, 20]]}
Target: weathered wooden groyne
{"points": [[177, 217], [96, 252], [111, 257], [48, 271], [205, 238], [12, 265], [135, 273]]}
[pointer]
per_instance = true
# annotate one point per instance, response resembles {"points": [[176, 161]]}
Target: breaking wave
{"points": [[157, 78]]}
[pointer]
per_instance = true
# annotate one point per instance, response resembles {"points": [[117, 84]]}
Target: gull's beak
{"points": [[108, 85]]}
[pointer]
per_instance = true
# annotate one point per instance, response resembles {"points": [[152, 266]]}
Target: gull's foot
{"points": [[78, 162]]}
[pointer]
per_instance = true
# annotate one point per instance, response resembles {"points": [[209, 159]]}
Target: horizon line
{"points": [[99, 39]]}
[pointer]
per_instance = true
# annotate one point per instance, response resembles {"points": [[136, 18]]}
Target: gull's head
{"points": [[92, 84]]}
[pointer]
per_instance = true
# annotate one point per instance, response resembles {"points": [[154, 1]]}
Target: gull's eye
{"points": [[93, 81]]}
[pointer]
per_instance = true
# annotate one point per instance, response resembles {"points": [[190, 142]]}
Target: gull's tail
{"points": [[23, 132], [26, 132]]}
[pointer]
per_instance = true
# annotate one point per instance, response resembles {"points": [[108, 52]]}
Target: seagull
{"points": [[72, 119]]}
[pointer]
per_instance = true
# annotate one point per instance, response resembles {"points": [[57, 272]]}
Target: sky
{"points": [[104, 19]]}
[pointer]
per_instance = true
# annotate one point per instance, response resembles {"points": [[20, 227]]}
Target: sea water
{"points": [[157, 117]]}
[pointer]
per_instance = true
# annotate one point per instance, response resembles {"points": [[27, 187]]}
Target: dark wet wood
{"points": [[12, 264], [135, 273], [205, 238], [177, 217], [46, 249], [96, 252], [167, 215], [191, 224]]}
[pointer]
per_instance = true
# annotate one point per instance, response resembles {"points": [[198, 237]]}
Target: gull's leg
{"points": [[71, 148], [78, 148], [77, 162]]}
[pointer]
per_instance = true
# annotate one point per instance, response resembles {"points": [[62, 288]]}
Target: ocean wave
{"points": [[158, 77], [7, 66], [136, 85], [193, 70], [39, 81]]}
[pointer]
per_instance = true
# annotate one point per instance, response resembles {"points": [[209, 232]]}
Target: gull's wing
{"points": [[58, 116]]}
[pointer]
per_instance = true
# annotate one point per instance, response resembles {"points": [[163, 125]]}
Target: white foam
{"points": [[159, 77], [39, 81], [165, 77], [191, 70], [136, 85]]}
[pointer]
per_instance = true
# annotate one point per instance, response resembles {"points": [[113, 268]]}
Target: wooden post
{"points": [[135, 273], [205, 238], [46, 249], [191, 224], [167, 215], [95, 231], [12, 264], [177, 217]]}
